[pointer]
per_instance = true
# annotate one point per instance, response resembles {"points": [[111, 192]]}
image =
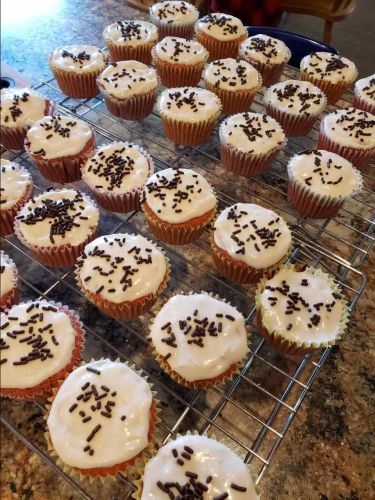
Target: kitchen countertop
{"points": [[328, 453]]}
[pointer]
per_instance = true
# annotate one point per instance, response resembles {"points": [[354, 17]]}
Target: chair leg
{"points": [[327, 37]]}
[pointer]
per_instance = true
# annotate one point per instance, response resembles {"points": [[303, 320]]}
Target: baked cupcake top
{"points": [[130, 32], [174, 12], [200, 336], [100, 415], [223, 27], [122, 267], [366, 89], [325, 173], [37, 341], [178, 50], [8, 274], [251, 133], [232, 74], [252, 234], [56, 218], [265, 49], [127, 78], [78, 58], [118, 167], [199, 464], [178, 195], [58, 136], [189, 104], [296, 97], [14, 181], [21, 107], [350, 127], [330, 67]]}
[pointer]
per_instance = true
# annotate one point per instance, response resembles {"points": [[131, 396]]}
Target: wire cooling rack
{"points": [[253, 412]]}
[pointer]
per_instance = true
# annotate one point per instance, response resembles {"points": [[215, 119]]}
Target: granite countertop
{"points": [[328, 453]]}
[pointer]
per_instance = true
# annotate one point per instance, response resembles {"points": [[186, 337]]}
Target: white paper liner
{"points": [[11, 297]]}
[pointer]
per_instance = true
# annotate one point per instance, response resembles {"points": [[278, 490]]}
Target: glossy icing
{"points": [[189, 104], [350, 127], [223, 27], [173, 12], [78, 58], [178, 50], [8, 274], [21, 107], [365, 87], [330, 67], [264, 49], [130, 32], [14, 180], [296, 97], [232, 74]]}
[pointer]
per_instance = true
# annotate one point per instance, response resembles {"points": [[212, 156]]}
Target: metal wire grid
{"points": [[252, 412]]}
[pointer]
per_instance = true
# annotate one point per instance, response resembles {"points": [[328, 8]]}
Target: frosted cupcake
{"points": [[178, 205], [56, 226], [234, 81], [8, 282], [364, 94], [221, 34], [129, 89], [249, 142], [332, 73], [20, 108], [350, 133], [174, 18], [76, 68], [296, 105], [248, 241], [15, 190], [268, 55], [179, 62], [130, 40], [199, 340]]}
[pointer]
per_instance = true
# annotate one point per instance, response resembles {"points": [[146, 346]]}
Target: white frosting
{"points": [[59, 337], [175, 12], [118, 167], [264, 49], [78, 58], [127, 78], [251, 133], [27, 107], [223, 27], [131, 33], [46, 209], [261, 236], [209, 458], [8, 274], [177, 196], [178, 50], [117, 440], [217, 353], [366, 89], [350, 127], [330, 67], [131, 267], [295, 97], [318, 291], [58, 136], [231, 74], [325, 173], [14, 180], [189, 104]]}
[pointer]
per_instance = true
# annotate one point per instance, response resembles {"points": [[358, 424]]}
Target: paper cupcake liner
{"points": [[271, 73], [234, 101], [141, 53], [360, 103], [293, 125], [7, 216], [333, 91], [135, 107], [178, 30], [219, 49], [44, 389], [178, 75], [12, 297]]}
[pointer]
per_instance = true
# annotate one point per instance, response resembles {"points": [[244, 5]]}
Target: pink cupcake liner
{"points": [[135, 107], [141, 53], [7, 216], [293, 125], [360, 103], [246, 164], [11, 297]]}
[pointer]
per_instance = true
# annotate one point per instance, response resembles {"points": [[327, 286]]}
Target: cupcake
{"points": [[189, 114], [8, 282], [178, 205], [129, 89], [42, 342], [332, 73], [300, 309], [122, 274], [364, 94], [296, 105], [320, 182], [249, 142], [20, 108], [101, 420], [268, 55], [234, 81], [59, 145], [221, 34], [349, 133], [76, 68], [248, 241], [199, 340], [198, 464], [56, 226], [15, 191], [174, 18], [179, 62], [130, 40]]}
